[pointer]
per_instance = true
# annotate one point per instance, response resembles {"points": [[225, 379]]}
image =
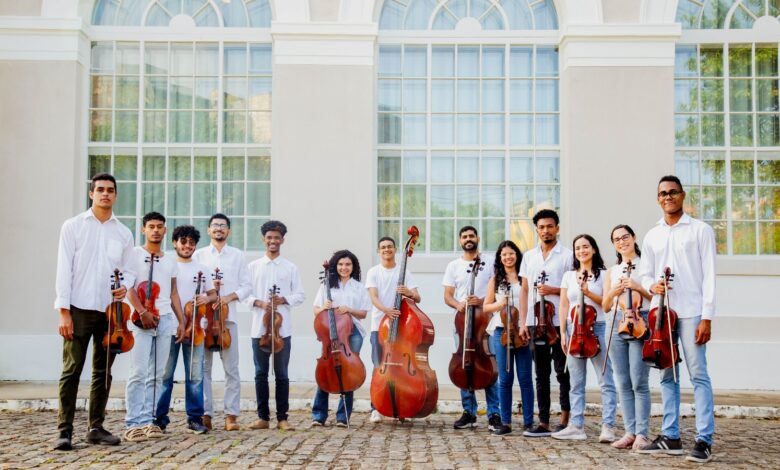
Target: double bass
{"points": [[473, 366], [217, 334], [632, 326], [583, 343], [510, 318], [544, 312], [660, 349], [148, 291], [403, 384]]}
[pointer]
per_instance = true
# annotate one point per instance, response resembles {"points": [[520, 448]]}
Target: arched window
{"points": [[181, 114], [727, 121], [468, 119]]}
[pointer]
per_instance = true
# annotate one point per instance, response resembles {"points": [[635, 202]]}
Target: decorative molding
{"points": [[615, 45], [37, 38], [324, 43]]}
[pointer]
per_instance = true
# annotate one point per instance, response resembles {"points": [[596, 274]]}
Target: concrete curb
{"points": [[443, 406]]}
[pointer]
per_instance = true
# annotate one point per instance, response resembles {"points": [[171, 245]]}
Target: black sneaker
{"points": [[102, 437], [502, 429], [662, 445], [538, 431], [494, 422], [63, 442], [195, 427], [467, 420], [702, 453]]}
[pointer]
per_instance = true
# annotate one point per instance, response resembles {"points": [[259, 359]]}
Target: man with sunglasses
{"points": [[687, 246]]}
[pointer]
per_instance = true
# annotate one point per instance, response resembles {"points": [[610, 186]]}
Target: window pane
{"points": [[468, 129], [767, 91], [388, 228], [522, 201], [685, 62], [99, 163], [521, 128], [414, 129], [232, 168], [768, 130], [442, 201], [711, 61], [741, 130], [713, 202], [740, 61], [743, 204], [768, 167], [156, 92], [742, 168], [468, 201], [492, 234], [521, 60], [547, 197], [468, 96], [235, 127], [102, 92], [102, 57], [178, 199], [260, 59], [687, 167], [442, 169], [180, 126], [766, 60], [182, 61], [712, 131], [156, 58], [389, 201], [258, 168], [468, 169], [100, 126], [768, 203], [493, 169], [414, 201], [442, 96], [546, 95], [546, 62], [522, 169], [153, 197], [744, 238], [235, 93], [205, 168], [235, 59], [686, 95], [125, 199], [125, 167], [492, 201], [713, 168], [547, 129], [389, 95], [204, 198], [547, 169], [205, 127], [442, 129], [468, 61], [126, 126], [254, 238], [207, 59], [389, 170], [389, 61], [522, 233], [492, 61], [712, 95], [206, 93], [414, 170], [237, 232], [770, 238], [443, 62], [442, 235], [493, 129], [415, 59], [741, 95], [179, 167], [686, 130], [389, 131], [181, 93], [520, 96], [259, 127], [233, 199], [414, 96]]}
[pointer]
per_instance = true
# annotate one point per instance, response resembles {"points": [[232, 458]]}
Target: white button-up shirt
{"points": [[264, 273], [559, 261], [89, 251], [688, 248], [232, 264]]}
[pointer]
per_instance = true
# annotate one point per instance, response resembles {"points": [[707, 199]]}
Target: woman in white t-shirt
{"points": [[506, 268], [349, 297], [586, 257]]}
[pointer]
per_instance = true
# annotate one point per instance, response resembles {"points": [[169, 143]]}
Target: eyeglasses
{"points": [[672, 194], [188, 241], [624, 238], [219, 226]]}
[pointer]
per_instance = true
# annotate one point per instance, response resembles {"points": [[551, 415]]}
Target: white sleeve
{"points": [[449, 276], [64, 279], [707, 252]]}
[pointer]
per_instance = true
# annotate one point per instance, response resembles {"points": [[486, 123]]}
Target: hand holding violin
{"points": [[119, 294], [659, 287], [544, 289]]}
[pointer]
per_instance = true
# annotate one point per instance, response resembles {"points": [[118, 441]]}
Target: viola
{"points": [[403, 385], [632, 326], [510, 318], [583, 343], [272, 321], [148, 291], [118, 339], [544, 312], [660, 349], [339, 369], [194, 313], [473, 366], [217, 333]]}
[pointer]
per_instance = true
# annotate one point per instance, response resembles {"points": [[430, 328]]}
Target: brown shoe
{"points": [[231, 423], [283, 425], [259, 424], [207, 421]]}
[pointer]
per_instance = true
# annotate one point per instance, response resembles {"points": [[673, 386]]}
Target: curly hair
{"points": [[598, 261], [498, 266], [333, 275]]}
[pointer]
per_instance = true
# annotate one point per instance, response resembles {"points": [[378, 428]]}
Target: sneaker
{"points": [[571, 433], [135, 434], [102, 437], [662, 445], [341, 424], [701, 453], [153, 431], [376, 417], [63, 442], [259, 424], [560, 427], [538, 431], [607, 434], [502, 429], [494, 422], [466, 420], [640, 442], [317, 424], [194, 427], [625, 442]]}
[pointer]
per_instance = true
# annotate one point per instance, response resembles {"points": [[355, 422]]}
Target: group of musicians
{"points": [[95, 243]]}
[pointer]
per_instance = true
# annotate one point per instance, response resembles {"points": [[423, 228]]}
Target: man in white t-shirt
{"points": [[457, 286], [383, 288]]}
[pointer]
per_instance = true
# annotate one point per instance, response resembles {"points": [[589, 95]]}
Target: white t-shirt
{"points": [[458, 275], [515, 291], [558, 262], [571, 284], [352, 294], [616, 273], [385, 281], [165, 269], [185, 281]]}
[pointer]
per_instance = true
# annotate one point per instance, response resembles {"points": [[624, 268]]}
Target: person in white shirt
{"points": [[687, 246], [233, 288], [554, 260], [92, 245], [154, 329], [185, 240], [456, 284], [348, 297], [576, 285], [383, 287], [265, 273]]}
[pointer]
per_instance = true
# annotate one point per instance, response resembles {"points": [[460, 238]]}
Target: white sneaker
{"points": [[607, 434], [570, 433], [375, 417]]}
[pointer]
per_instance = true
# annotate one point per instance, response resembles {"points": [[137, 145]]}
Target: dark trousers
{"points": [[87, 325], [543, 355], [262, 364]]}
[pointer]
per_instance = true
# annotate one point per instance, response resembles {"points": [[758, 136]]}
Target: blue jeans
{"points": [[696, 360], [262, 361], [577, 373], [147, 366], [193, 388], [319, 409], [469, 399], [631, 376], [521, 360]]}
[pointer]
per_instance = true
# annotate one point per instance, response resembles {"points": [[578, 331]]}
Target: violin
{"points": [[271, 340], [473, 366], [148, 291], [339, 369], [544, 312], [217, 333], [403, 385], [194, 313], [583, 343], [118, 339], [660, 349], [632, 326], [510, 318]]}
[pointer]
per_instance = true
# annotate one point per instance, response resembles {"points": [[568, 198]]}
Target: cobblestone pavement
{"points": [[432, 443]]}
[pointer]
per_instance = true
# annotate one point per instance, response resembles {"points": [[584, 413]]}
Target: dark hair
{"points": [[671, 179], [219, 215], [466, 229], [186, 231], [385, 239], [152, 216], [273, 226], [498, 266], [102, 177], [333, 278], [598, 261], [631, 232], [546, 214]]}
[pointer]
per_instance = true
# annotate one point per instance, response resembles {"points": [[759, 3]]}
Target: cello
{"points": [[632, 326], [583, 343], [194, 313], [510, 318], [473, 366], [339, 369], [217, 333], [403, 385], [544, 312], [660, 349], [148, 291]]}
